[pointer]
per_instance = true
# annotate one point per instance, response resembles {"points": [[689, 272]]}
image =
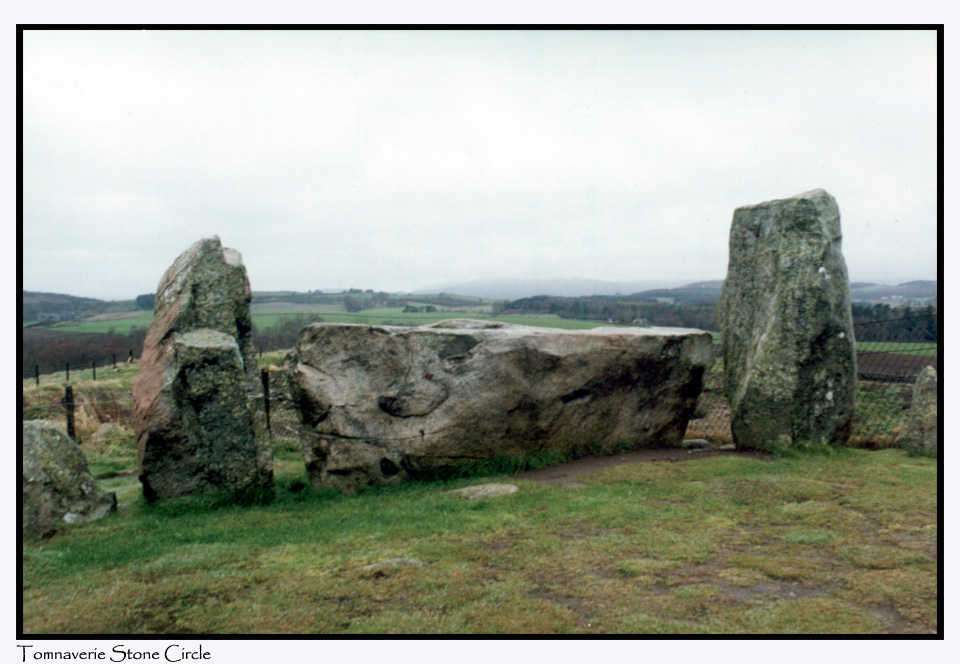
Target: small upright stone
{"points": [[56, 486], [920, 433], [784, 313], [198, 401]]}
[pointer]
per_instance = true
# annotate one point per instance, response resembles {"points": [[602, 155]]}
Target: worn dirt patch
{"points": [[566, 474]]}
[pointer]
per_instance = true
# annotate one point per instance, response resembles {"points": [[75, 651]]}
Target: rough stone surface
{"points": [[920, 432], [784, 313], [491, 490], [56, 485], [198, 400], [380, 405]]}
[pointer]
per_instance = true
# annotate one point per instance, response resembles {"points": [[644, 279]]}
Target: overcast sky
{"points": [[402, 160]]}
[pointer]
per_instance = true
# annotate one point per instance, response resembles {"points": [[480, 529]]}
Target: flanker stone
{"points": [[56, 486], [198, 400], [380, 405], [920, 432], [784, 313]]}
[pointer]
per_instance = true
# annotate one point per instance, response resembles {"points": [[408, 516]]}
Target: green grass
{"points": [[925, 349], [336, 314], [294, 308], [118, 326], [808, 544]]}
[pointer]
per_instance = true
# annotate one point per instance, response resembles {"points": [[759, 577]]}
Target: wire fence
{"points": [[890, 356], [888, 364], [86, 406]]}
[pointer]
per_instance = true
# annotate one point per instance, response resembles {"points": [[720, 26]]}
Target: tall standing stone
{"points": [[784, 312], [198, 401]]}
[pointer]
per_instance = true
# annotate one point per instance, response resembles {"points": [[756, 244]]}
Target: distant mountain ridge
{"points": [[33, 297], [514, 289], [58, 306], [36, 306]]}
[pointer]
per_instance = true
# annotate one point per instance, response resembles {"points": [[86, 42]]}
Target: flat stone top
{"points": [[206, 338], [494, 328]]}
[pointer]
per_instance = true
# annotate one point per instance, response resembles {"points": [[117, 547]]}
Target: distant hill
{"points": [[515, 289], [715, 284], [53, 307], [701, 292], [32, 297], [57, 306], [912, 293]]}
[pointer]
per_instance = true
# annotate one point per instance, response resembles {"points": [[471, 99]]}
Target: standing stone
{"points": [[380, 405], [784, 312], [56, 486], [198, 401], [920, 432]]}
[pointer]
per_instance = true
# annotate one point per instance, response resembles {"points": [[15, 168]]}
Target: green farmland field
{"points": [[119, 325], [383, 316], [924, 348]]}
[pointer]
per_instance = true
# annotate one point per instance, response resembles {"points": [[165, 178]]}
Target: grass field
{"points": [[269, 314], [119, 326], [924, 349], [294, 308], [841, 541], [335, 314]]}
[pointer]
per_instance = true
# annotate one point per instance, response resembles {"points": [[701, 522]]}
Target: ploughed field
{"points": [[815, 541]]}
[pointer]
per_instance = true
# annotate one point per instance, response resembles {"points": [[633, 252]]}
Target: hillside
{"points": [[513, 289], [57, 306], [54, 307]]}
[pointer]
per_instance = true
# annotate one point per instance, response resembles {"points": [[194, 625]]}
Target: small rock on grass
{"points": [[481, 491], [393, 562]]}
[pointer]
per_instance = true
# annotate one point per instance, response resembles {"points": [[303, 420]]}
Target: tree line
{"points": [[51, 350], [622, 311], [879, 322]]}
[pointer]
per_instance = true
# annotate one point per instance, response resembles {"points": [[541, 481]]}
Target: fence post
{"points": [[131, 355], [68, 402], [68, 372], [265, 379], [36, 372], [93, 368]]}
